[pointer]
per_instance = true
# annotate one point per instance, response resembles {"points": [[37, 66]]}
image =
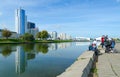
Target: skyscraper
{"points": [[20, 21]]}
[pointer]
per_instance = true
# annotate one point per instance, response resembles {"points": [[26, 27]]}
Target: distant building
{"points": [[62, 36], [30, 25], [20, 21], [82, 38], [14, 34], [33, 31], [53, 35], [68, 37], [31, 28]]}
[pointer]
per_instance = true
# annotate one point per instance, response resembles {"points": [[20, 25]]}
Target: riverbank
{"points": [[18, 41], [81, 67], [107, 65]]}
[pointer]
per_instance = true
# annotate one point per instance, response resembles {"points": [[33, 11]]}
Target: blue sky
{"points": [[89, 18]]}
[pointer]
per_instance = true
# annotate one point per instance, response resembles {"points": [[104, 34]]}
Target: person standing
{"points": [[102, 41]]}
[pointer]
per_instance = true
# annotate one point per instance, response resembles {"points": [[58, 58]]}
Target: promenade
{"points": [[109, 63]]}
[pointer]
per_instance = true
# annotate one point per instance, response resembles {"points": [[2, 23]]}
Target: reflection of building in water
{"points": [[21, 60], [82, 43], [53, 46], [64, 45]]}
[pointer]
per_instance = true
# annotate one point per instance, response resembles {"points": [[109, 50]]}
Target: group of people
{"points": [[107, 43]]}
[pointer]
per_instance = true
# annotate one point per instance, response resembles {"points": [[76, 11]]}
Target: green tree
{"points": [[28, 37], [44, 34], [6, 33], [38, 35]]}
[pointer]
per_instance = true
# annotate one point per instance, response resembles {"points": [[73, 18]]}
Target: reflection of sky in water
{"points": [[38, 64]]}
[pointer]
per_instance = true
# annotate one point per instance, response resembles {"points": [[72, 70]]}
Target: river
{"points": [[38, 60]]}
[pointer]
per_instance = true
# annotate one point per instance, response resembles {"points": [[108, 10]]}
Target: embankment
{"points": [[81, 67]]}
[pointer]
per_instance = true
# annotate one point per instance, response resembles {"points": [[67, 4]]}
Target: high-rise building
{"points": [[53, 35], [31, 28], [20, 21], [30, 25]]}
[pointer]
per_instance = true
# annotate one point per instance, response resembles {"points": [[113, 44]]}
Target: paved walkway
{"points": [[109, 65]]}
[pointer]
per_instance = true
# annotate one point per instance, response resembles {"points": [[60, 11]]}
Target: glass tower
{"points": [[20, 21]]}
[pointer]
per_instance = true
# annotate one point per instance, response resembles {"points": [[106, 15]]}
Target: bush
{"points": [[28, 37]]}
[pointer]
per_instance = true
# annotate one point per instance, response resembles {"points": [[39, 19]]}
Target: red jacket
{"points": [[102, 39]]}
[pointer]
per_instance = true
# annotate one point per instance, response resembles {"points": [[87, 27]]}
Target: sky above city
{"points": [[87, 18]]}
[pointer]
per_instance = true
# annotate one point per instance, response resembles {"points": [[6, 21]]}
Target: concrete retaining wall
{"points": [[81, 67]]}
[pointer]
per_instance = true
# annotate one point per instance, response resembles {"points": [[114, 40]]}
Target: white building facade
{"points": [[62, 36]]}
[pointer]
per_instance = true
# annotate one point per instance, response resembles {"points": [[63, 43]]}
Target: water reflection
{"points": [[21, 60], [53, 46], [26, 52], [82, 43], [6, 50], [42, 48], [28, 47]]}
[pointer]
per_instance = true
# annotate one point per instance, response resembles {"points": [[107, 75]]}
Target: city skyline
{"points": [[89, 18]]}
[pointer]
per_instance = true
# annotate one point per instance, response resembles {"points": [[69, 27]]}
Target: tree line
{"points": [[42, 35]]}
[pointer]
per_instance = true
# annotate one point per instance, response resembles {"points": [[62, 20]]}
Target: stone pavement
{"points": [[108, 65]]}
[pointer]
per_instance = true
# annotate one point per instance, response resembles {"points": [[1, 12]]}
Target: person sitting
{"points": [[93, 47], [108, 46], [112, 44]]}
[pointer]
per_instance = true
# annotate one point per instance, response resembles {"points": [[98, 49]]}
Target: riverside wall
{"points": [[81, 67]]}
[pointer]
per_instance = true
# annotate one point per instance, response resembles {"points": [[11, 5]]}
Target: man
{"points": [[102, 40]]}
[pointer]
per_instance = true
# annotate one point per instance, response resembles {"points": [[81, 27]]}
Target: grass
{"points": [[35, 41], [94, 70], [82, 58]]}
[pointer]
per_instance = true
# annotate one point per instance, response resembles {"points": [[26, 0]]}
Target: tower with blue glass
{"points": [[20, 21]]}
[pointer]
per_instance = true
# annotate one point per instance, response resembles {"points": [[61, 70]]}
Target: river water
{"points": [[38, 60]]}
